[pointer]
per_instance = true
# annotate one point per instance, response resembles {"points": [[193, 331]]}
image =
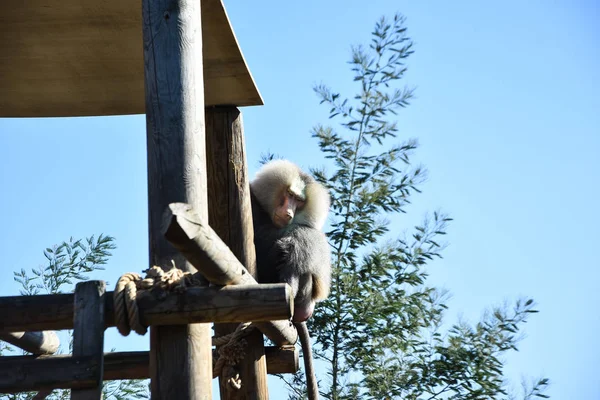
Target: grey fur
{"points": [[298, 253]]}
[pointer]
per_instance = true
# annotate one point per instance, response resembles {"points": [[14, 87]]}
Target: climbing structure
{"points": [[178, 62]]}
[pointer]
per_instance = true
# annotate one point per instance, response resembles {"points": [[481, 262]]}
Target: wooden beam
{"points": [[44, 342], [199, 243], [88, 333], [180, 356], [197, 304], [29, 373], [41, 312], [230, 215], [226, 304], [219, 304]]}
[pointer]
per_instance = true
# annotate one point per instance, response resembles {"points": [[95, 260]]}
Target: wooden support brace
{"points": [[45, 342], [196, 304], [28, 373], [203, 248], [88, 335]]}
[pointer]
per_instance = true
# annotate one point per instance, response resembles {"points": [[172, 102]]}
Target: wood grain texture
{"points": [[44, 342], [230, 215], [229, 207], [28, 373], [180, 356], [262, 302], [85, 57], [88, 333], [202, 247], [227, 304]]}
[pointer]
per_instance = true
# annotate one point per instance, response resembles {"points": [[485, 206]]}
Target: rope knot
{"points": [[127, 316], [231, 348]]}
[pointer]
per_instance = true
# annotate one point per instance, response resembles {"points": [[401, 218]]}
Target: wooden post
{"points": [[180, 356], [88, 334], [230, 215]]}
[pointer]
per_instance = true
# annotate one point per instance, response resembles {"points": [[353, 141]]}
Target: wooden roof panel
{"points": [[85, 57]]}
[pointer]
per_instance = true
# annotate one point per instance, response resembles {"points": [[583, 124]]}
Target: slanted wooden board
{"points": [[85, 57]]}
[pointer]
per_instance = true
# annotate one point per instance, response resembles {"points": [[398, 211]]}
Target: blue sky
{"points": [[508, 117]]}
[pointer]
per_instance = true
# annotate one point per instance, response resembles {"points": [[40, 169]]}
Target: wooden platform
{"points": [[85, 57]]}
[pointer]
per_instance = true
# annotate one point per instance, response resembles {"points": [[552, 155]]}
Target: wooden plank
{"points": [[230, 215], [228, 304], [88, 333], [197, 304], [45, 342], [41, 312], [29, 373], [85, 57], [180, 356], [202, 247]]}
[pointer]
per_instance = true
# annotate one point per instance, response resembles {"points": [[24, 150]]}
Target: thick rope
{"points": [[126, 311], [127, 316], [231, 348]]}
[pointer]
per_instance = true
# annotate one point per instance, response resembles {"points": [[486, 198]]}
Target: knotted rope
{"points": [[230, 347], [127, 316]]}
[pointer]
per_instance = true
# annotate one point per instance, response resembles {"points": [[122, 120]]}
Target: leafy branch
{"points": [[66, 264], [379, 330]]}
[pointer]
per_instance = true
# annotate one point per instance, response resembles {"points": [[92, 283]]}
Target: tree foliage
{"points": [[66, 264], [379, 332]]}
